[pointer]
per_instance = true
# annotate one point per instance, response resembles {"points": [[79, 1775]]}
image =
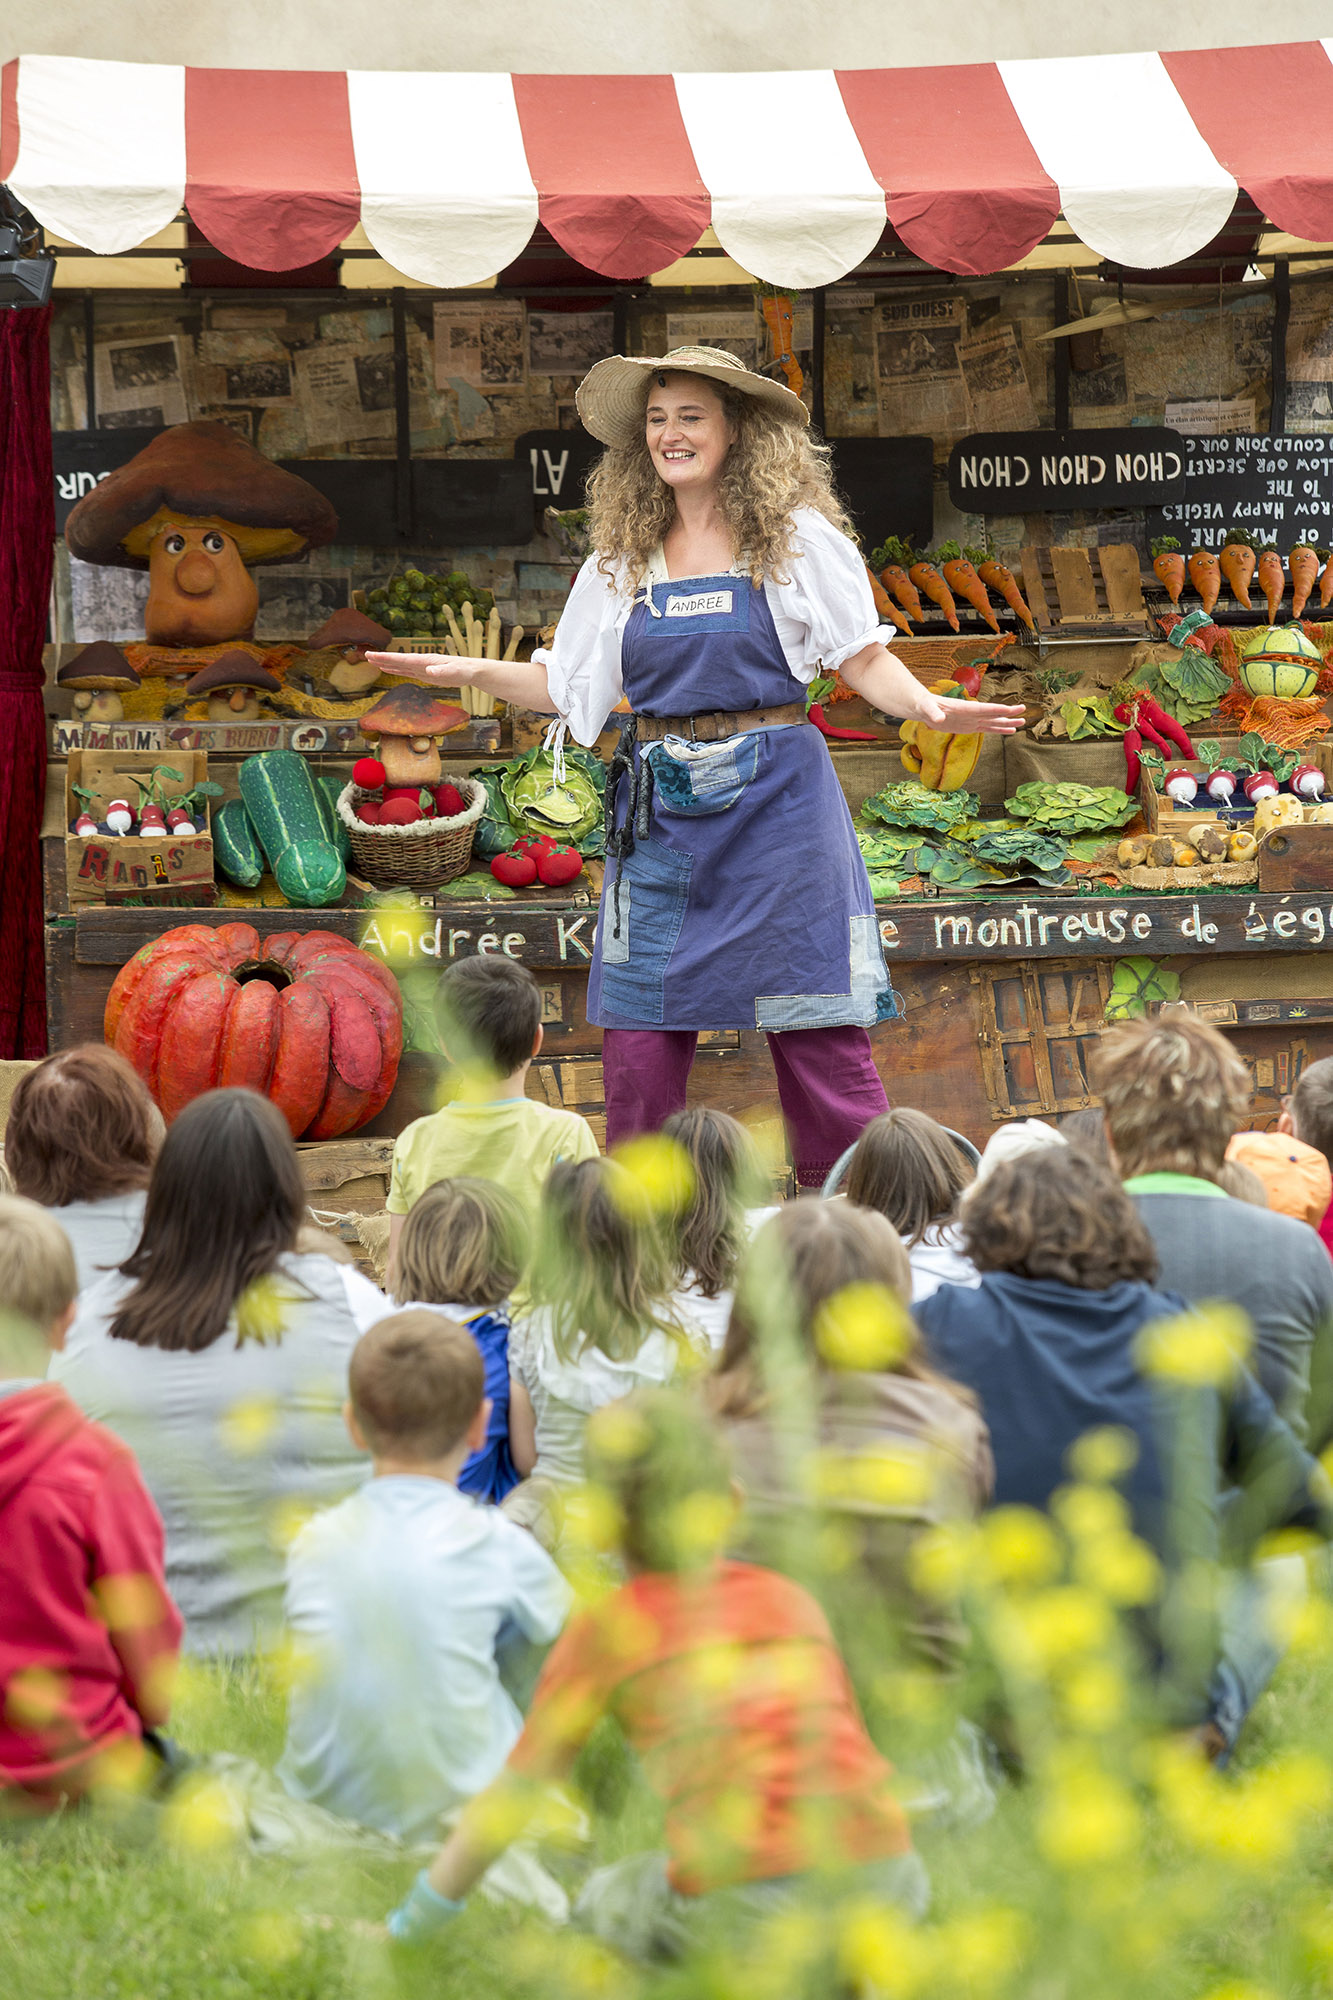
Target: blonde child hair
{"points": [[462, 1245]]}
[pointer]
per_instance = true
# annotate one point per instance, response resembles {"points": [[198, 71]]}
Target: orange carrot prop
{"points": [[964, 582], [1237, 563], [777, 311], [1303, 562], [895, 578], [1206, 576], [1168, 566], [1272, 581], [1325, 578], [927, 578], [885, 605], [997, 577]]}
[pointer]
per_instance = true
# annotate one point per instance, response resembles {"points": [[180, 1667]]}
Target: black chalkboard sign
{"points": [[559, 462], [887, 484], [1279, 488], [1038, 472], [82, 458]]}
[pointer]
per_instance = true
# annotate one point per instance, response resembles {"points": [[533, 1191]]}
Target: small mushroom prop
{"points": [[99, 675], [409, 723], [233, 683], [354, 635], [198, 508]]}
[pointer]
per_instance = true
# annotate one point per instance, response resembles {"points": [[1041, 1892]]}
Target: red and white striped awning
{"points": [[796, 171]]}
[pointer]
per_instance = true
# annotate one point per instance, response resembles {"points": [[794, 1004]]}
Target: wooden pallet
{"points": [[1067, 587]]}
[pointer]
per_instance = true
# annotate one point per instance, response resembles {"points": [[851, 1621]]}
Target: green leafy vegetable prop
{"points": [[1256, 755], [1070, 808], [1134, 983], [1024, 846], [912, 805], [524, 800]]}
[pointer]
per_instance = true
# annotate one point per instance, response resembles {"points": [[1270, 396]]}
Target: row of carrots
{"points": [[900, 579], [1240, 562]]}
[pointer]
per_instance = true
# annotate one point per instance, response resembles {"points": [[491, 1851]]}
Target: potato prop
{"points": [[1161, 852], [199, 508], [1242, 845], [1271, 813], [1210, 843], [1132, 853]]}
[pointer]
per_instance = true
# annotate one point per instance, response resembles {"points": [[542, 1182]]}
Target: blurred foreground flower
{"points": [[1202, 1349], [658, 1177], [865, 1328], [1086, 1817], [203, 1814]]}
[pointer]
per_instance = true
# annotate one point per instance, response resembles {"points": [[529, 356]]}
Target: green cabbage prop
{"points": [[524, 801]]}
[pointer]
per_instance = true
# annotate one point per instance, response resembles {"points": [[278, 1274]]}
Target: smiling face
{"points": [[689, 432], [199, 590]]}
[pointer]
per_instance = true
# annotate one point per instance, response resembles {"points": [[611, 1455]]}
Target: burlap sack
{"points": [[1098, 760]]}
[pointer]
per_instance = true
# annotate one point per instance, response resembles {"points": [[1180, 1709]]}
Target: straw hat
{"points": [[613, 394]]}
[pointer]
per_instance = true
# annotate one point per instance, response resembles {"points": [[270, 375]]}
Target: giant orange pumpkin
{"points": [[306, 1019]]}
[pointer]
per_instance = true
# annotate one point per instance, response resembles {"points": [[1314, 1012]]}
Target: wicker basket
{"points": [[412, 857]]}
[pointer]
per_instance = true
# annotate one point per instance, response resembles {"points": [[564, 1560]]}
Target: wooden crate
{"points": [[1100, 588], [127, 868]]}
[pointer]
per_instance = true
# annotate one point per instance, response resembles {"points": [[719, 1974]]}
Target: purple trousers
{"points": [[827, 1081]]}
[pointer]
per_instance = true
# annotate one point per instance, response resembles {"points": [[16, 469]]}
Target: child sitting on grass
{"points": [[398, 1597], [600, 1323], [88, 1634], [727, 1205], [490, 1023], [461, 1252], [726, 1681]]}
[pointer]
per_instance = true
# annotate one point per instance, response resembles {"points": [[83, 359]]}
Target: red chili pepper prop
{"points": [[816, 715], [1144, 718]]}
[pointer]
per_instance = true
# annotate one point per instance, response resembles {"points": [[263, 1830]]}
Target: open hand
{"points": [[964, 718], [425, 668]]}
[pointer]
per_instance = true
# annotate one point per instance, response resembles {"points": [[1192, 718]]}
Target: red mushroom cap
{"points": [[408, 710]]}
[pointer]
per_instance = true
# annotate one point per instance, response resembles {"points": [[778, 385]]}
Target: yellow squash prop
{"points": [[937, 758]]}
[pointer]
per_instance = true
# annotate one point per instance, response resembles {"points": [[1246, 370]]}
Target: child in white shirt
{"points": [[399, 1597]]}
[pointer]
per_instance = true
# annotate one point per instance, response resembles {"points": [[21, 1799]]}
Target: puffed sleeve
{"points": [[826, 613], [582, 662]]}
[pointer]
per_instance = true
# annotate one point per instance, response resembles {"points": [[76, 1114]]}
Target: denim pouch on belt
{"points": [[697, 778]]}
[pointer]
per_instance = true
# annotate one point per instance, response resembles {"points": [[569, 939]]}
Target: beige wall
{"points": [[632, 35]]}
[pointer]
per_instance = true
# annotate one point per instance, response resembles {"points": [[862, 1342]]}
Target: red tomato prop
{"points": [[368, 774], [449, 801], [559, 866], [400, 812], [307, 1019], [514, 870]]}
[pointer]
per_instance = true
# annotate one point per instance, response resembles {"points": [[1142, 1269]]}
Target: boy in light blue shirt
{"points": [[398, 1598]]}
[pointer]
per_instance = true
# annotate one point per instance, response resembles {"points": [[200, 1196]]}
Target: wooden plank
{"points": [[1122, 580], [1297, 857], [1034, 587], [1074, 584]]}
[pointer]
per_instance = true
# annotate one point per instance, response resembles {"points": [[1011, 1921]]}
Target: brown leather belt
{"points": [[718, 723]]}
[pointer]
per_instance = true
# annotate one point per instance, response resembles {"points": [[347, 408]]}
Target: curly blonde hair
{"points": [[773, 467]]}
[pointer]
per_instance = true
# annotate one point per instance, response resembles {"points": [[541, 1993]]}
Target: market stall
{"points": [[1111, 507]]}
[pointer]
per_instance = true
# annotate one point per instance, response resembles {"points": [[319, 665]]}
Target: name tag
{"points": [[704, 604]]}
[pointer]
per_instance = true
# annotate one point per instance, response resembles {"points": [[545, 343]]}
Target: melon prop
{"points": [[1284, 665], [199, 508], [309, 1021]]}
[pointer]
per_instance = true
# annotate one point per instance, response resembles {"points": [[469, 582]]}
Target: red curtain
{"points": [[27, 549]]}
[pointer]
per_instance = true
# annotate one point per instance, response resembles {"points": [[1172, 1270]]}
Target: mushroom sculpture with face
{"points": [[199, 508], [409, 724], [233, 683], [350, 634], [99, 676]]}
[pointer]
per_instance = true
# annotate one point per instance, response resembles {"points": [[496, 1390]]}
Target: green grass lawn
{"points": [[95, 1905]]}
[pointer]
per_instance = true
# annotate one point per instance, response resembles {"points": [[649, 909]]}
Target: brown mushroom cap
{"points": [[199, 473], [100, 666], [409, 710], [233, 670], [350, 628]]}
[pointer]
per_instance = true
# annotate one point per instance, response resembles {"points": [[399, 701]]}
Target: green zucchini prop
{"points": [[287, 814], [235, 850]]}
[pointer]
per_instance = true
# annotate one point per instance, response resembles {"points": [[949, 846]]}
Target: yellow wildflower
{"points": [[1103, 1454], [1205, 1348], [1021, 1546], [1086, 1818], [658, 1176], [863, 1327]]}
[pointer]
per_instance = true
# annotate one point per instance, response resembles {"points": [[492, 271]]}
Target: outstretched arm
{"points": [[887, 684], [519, 681]]}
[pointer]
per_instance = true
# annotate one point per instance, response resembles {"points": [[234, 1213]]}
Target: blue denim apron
{"points": [[743, 900]]}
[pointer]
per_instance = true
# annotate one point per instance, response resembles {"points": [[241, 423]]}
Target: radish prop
{"points": [[1260, 785], [1221, 787], [1181, 785], [119, 817], [1308, 782]]}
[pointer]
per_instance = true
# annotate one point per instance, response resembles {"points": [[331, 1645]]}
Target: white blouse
{"points": [[823, 616]]}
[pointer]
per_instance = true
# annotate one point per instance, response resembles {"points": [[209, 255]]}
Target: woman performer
{"points": [[723, 578]]}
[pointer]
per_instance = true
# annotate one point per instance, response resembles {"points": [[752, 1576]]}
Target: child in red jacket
{"points": [[88, 1634]]}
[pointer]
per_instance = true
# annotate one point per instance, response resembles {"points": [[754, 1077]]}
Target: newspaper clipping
{"points": [[733, 332], [480, 343], [140, 383], [920, 378], [568, 343], [997, 385], [346, 391]]}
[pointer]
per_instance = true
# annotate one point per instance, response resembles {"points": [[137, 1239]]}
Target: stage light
{"points": [[27, 269]]}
